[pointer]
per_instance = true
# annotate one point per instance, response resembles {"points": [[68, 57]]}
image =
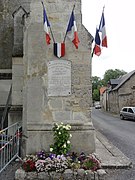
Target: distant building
{"points": [[103, 97], [122, 92]]}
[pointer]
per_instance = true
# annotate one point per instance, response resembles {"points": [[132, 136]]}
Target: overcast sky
{"points": [[120, 30]]}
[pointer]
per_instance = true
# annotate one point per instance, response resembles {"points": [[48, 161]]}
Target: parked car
{"points": [[97, 106], [127, 113]]}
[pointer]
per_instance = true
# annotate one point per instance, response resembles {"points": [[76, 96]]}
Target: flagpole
{"points": [[52, 34], [49, 26], [92, 52], [93, 49], [66, 31], [91, 57], [96, 43], [103, 8]]}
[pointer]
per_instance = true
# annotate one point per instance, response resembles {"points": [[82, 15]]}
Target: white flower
{"points": [[65, 127], [40, 165], [56, 124], [59, 132], [70, 135], [58, 156], [64, 145], [68, 126], [63, 158], [68, 142], [51, 149]]}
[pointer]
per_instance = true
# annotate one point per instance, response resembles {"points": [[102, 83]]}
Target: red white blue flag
{"points": [[46, 26], [72, 31], [97, 48], [59, 49], [100, 37], [102, 29]]}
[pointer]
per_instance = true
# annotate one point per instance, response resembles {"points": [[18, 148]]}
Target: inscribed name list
{"points": [[59, 78]]}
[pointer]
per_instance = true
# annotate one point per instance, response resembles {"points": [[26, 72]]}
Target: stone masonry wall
{"points": [[127, 93], [42, 111], [37, 54], [69, 174], [7, 8], [125, 96]]}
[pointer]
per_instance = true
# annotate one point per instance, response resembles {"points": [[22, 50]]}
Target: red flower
{"points": [[29, 166]]}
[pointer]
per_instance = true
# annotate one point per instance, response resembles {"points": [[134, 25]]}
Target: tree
{"points": [[96, 84], [96, 95], [112, 74]]}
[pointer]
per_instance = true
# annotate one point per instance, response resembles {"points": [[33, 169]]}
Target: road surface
{"points": [[122, 134]]}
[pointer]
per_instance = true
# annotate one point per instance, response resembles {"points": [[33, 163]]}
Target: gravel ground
{"points": [[9, 172]]}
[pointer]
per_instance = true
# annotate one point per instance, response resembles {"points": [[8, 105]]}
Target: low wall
{"points": [[79, 174]]}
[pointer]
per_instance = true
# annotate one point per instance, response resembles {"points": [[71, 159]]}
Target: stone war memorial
{"points": [[53, 88], [56, 89]]}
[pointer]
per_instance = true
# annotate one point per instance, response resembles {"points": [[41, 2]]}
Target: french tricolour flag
{"points": [[59, 49], [46, 26], [102, 29], [97, 48], [72, 31]]}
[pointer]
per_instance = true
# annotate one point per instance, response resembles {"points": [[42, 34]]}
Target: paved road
{"points": [[122, 134]]}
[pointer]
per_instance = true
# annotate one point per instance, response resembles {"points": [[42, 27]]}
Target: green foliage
{"points": [[61, 139], [96, 95], [91, 163], [49, 162], [83, 161], [112, 74], [97, 82]]}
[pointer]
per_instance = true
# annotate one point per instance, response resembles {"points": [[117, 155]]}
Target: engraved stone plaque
{"points": [[59, 78]]}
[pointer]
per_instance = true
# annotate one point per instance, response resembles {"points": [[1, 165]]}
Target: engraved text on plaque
{"points": [[59, 78]]}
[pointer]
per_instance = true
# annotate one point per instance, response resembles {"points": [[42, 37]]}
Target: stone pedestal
{"points": [[44, 102]]}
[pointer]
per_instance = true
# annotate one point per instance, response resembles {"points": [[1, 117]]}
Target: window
{"points": [[130, 110], [124, 109]]}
